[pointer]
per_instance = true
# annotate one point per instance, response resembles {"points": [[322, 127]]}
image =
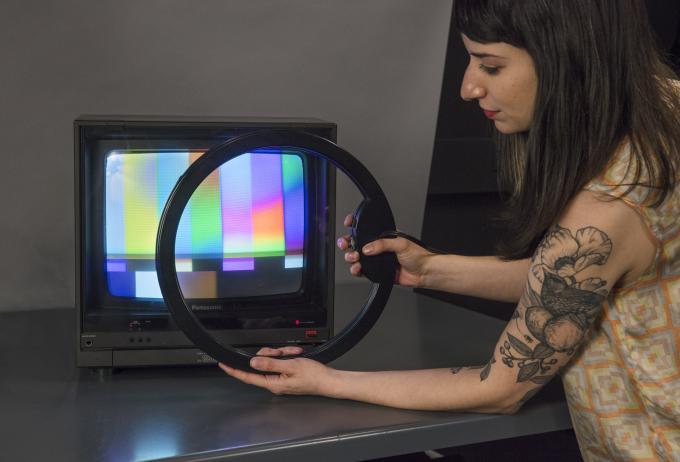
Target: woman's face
{"points": [[502, 78]]}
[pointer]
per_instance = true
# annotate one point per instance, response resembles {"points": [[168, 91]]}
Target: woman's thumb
{"points": [[384, 245]]}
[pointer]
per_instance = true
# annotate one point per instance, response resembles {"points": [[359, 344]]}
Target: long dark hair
{"points": [[601, 82]]}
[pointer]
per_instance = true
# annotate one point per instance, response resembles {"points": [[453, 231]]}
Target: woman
{"points": [[588, 124]]}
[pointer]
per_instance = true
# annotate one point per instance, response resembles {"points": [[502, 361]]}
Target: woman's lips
{"points": [[490, 114]]}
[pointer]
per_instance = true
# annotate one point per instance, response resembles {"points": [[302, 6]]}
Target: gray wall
{"points": [[372, 66]]}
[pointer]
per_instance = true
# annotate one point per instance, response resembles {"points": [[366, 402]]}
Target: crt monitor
{"points": [[271, 230]]}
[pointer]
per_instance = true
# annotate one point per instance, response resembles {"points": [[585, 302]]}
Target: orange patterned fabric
{"points": [[623, 388]]}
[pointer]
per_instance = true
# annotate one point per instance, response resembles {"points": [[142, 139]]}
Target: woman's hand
{"points": [[297, 376], [412, 258]]}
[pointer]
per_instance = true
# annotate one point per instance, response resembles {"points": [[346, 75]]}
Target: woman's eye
{"points": [[489, 70]]}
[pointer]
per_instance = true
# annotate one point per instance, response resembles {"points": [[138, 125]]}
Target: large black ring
{"points": [[186, 320]]}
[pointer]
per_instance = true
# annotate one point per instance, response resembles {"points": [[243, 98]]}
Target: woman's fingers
{"points": [[379, 246], [297, 376], [245, 377], [266, 351], [373, 248], [272, 381], [264, 364], [343, 243], [349, 219], [291, 350], [283, 351], [351, 257]]}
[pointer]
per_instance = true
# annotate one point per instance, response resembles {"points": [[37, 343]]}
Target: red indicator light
{"points": [[297, 322], [311, 333]]}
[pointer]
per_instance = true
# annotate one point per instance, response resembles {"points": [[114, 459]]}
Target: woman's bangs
{"points": [[481, 21]]}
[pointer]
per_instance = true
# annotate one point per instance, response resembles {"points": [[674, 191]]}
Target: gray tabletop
{"points": [[51, 410]]}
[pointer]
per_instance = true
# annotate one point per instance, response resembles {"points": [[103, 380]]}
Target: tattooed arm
{"points": [[594, 245]]}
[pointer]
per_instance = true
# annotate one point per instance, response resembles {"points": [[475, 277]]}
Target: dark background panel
{"points": [[664, 16]]}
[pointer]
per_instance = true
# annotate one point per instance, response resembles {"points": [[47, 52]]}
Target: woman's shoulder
{"points": [[624, 175]]}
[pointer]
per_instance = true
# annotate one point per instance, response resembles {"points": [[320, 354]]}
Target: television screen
{"points": [[246, 220]]}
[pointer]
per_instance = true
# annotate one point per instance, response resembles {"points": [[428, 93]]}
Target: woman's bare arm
{"points": [[484, 277]]}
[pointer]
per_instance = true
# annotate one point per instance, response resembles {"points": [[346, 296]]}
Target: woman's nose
{"points": [[471, 90]]}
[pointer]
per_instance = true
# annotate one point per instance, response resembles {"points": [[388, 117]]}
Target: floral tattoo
{"points": [[560, 304], [484, 369]]}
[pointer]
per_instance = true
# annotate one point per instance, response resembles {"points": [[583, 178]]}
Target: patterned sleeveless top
{"points": [[623, 388]]}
